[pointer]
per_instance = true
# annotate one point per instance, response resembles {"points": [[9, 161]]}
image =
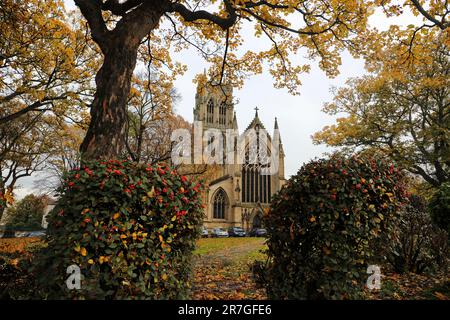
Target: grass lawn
{"points": [[221, 245]]}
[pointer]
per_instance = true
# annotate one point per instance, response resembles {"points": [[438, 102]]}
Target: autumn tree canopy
{"points": [[403, 112], [323, 28], [46, 60], [47, 66], [214, 28]]}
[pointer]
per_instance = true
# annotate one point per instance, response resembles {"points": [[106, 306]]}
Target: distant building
{"points": [[49, 207]]}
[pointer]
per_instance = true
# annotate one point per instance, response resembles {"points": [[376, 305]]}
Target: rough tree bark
{"points": [[106, 134], [107, 131]]}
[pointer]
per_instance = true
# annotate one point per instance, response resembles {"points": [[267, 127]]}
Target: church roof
{"points": [[223, 178], [256, 121]]}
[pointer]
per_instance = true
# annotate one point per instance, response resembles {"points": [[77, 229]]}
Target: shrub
{"points": [[322, 224], [27, 213], [440, 207], [129, 228], [417, 245]]}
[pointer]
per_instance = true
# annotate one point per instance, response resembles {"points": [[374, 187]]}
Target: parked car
{"points": [[236, 232], [204, 232], [22, 234], [258, 232], [7, 234], [219, 233], [39, 234]]}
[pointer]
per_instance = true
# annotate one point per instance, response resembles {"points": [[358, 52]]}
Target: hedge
{"points": [[323, 227], [130, 229]]}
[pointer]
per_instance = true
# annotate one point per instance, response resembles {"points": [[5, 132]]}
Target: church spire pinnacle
{"points": [[256, 112], [277, 135]]}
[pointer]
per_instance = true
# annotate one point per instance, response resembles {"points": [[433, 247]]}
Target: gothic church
{"points": [[237, 194]]}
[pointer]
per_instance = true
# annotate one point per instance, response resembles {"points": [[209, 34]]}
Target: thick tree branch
{"points": [[440, 24], [32, 107], [92, 11], [190, 16]]}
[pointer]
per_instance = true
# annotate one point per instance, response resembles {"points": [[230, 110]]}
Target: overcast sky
{"points": [[298, 116]]}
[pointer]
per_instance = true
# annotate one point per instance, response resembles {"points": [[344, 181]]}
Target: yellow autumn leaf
{"points": [[83, 252], [151, 193], [440, 296]]}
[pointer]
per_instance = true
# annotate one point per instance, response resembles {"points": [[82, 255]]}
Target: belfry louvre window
{"points": [[210, 112], [256, 187], [220, 204]]}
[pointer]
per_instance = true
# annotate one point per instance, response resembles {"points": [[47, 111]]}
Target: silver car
{"points": [[204, 232], [219, 233]]}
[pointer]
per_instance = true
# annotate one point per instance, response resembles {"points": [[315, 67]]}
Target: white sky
{"points": [[298, 116]]}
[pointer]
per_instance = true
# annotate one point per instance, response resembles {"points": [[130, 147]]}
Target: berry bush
{"points": [[324, 225], [130, 230]]}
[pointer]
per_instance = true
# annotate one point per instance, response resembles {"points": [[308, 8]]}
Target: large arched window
{"points": [[220, 204], [256, 186], [222, 113], [210, 112]]}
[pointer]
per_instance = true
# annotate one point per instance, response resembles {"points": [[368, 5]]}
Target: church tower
{"points": [[214, 107]]}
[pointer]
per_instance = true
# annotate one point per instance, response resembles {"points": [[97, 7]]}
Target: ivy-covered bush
{"points": [[417, 245], [129, 228], [440, 207], [324, 224]]}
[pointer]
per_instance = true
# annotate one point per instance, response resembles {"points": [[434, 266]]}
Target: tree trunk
{"points": [[2, 194], [2, 210], [105, 137]]}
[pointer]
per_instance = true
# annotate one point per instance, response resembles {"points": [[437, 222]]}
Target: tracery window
{"points": [[210, 112], [220, 204], [222, 113], [256, 187]]}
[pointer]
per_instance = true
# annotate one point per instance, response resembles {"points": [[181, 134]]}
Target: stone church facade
{"points": [[237, 193]]}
